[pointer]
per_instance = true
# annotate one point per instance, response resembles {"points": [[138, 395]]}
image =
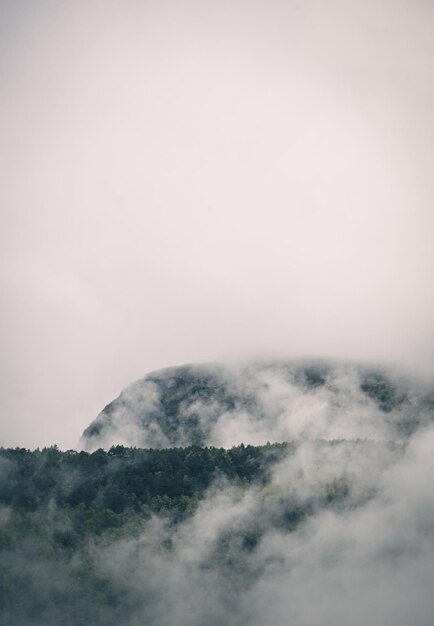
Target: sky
{"points": [[186, 181]]}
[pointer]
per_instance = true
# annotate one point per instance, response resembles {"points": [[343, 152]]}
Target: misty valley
{"points": [[178, 510]]}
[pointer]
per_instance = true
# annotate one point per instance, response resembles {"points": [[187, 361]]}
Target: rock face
{"points": [[220, 405]]}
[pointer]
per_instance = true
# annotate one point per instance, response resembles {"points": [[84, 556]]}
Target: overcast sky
{"points": [[186, 180]]}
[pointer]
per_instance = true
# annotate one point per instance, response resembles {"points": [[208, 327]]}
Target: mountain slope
{"points": [[220, 405]]}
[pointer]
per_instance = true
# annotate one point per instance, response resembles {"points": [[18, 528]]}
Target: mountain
{"points": [[226, 405], [331, 523]]}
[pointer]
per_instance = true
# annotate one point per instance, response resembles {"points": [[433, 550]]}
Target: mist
{"points": [[342, 531], [189, 181], [255, 403], [369, 563]]}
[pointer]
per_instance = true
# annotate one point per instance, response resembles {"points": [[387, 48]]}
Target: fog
{"points": [[188, 181], [228, 405], [366, 559], [369, 563]]}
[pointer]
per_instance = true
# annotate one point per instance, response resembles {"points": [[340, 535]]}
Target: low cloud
{"points": [[368, 560], [226, 405]]}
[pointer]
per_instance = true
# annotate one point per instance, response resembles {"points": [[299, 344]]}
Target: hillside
{"points": [[68, 517], [221, 405], [181, 512]]}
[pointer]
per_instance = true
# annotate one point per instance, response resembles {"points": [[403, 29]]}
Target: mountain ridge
{"points": [[224, 405]]}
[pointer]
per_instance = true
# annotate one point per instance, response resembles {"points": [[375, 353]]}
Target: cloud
{"points": [[342, 532], [225, 405], [368, 559], [186, 181]]}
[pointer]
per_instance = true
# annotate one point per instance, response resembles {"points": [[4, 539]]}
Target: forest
{"points": [[59, 511]]}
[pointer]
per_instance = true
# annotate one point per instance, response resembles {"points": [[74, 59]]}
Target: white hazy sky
{"points": [[186, 180]]}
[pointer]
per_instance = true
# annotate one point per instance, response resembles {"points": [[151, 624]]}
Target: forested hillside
{"points": [[128, 479], [61, 511], [188, 526]]}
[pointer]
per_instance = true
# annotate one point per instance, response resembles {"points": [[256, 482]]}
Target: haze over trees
{"points": [[237, 535]]}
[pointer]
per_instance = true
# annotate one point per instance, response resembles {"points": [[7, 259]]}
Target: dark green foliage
{"points": [[127, 478], [60, 510], [56, 505]]}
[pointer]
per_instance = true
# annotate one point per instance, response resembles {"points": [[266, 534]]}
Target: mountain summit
{"points": [[225, 405]]}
